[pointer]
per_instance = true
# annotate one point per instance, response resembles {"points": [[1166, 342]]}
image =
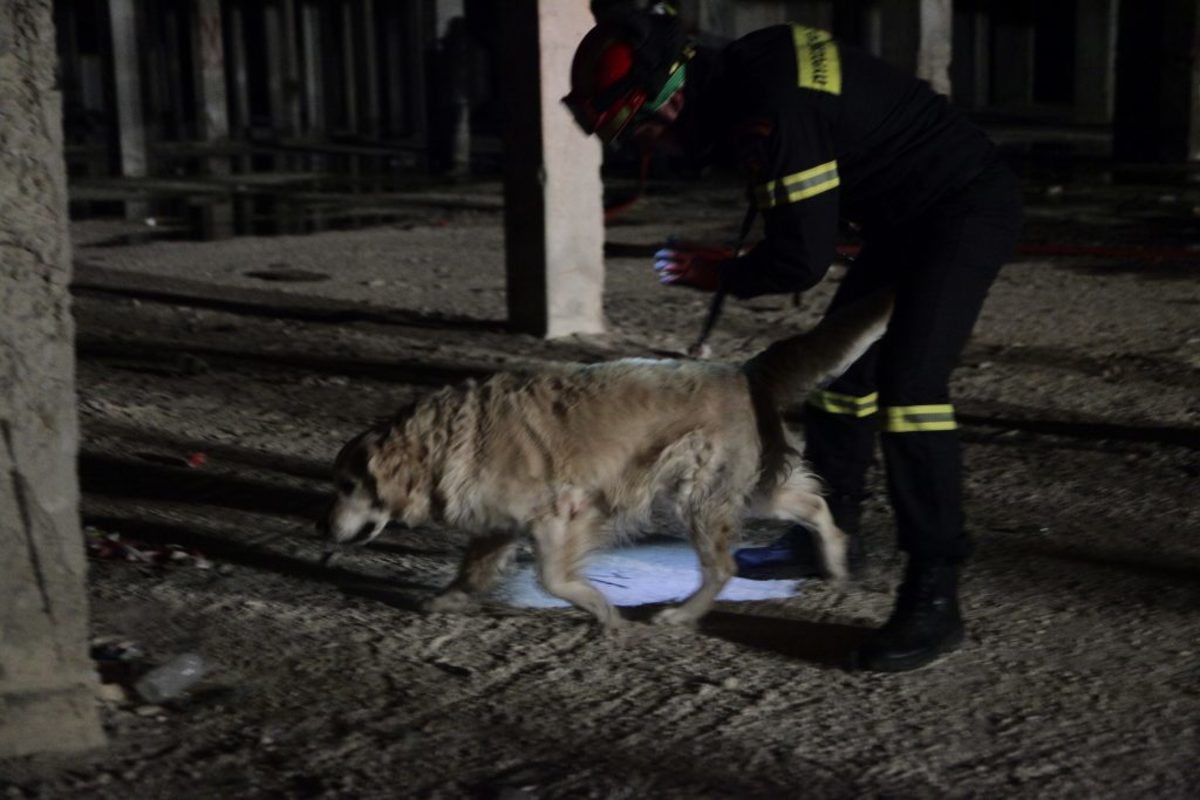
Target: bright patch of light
{"points": [[632, 576]]}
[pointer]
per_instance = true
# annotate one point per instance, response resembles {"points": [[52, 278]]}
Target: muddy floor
{"points": [[217, 379]]}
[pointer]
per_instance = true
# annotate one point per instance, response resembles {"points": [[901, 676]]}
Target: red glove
{"points": [[691, 265]]}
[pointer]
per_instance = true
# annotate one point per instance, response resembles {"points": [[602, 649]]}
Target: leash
{"points": [[717, 304]]}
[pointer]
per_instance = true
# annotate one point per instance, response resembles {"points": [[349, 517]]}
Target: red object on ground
{"points": [[197, 459]]}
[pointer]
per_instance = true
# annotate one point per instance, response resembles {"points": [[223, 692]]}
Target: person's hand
{"points": [[691, 265]]}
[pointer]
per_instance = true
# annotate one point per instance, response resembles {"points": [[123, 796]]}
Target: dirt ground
{"points": [[1080, 408]]}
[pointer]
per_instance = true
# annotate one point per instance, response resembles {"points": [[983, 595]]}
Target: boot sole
{"points": [[915, 661], [780, 573]]}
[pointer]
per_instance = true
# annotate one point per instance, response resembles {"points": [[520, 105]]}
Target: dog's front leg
{"points": [[483, 560], [562, 539], [712, 537]]}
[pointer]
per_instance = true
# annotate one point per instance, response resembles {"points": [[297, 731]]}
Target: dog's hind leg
{"points": [[562, 541], [712, 536], [484, 558], [797, 500]]}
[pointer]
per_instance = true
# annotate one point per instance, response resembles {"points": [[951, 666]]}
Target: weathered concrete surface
{"points": [[46, 698]]}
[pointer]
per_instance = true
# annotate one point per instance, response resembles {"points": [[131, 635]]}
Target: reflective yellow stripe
{"points": [[818, 65], [797, 186], [907, 419], [836, 403]]}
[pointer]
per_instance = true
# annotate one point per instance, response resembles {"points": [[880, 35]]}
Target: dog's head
{"points": [[359, 512]]}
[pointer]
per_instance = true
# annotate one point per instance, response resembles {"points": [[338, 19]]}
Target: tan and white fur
{"points": [[558, 454]]}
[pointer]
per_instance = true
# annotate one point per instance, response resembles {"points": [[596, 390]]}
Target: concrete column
{"points": [[969, 64], [416, 71], [1012, 59], [47, 700], [894, 33], [553, 212], [370, 67], [453, 90], [935, 43], [314, 79], [1193, 143], [1156, 117], [241, 78], [208, 52], [283, 77], [1095, 26], [127, 82], [349, 66]]}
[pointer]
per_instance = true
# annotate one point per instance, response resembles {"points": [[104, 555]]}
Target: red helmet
{"points": [[625, 67]]}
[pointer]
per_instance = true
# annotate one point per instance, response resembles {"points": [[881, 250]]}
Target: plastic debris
{"points": [[170, 679], [197, 459]]}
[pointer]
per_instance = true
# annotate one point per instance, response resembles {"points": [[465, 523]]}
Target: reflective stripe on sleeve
{"points": [[850, 405], [910, 419], [797, 186]]}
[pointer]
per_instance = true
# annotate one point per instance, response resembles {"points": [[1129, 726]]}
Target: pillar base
{"points": [[49, 721]]}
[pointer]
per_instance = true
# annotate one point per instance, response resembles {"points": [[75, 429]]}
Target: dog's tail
{"points": [[792, 367]]}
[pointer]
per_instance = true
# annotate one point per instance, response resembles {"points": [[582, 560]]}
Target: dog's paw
{"points": [[676, 615], [448, 602]]}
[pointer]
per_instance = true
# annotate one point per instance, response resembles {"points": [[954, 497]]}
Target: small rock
{"points": [[112, 693], [731, 683]]}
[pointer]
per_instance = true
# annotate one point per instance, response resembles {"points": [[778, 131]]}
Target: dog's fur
{"points": [[560, 453]]}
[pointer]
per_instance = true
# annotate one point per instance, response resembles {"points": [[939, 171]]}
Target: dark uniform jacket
{"points": [[823, 130]]}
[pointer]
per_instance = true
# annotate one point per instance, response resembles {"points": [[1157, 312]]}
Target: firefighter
{"points": [[825, 133]]}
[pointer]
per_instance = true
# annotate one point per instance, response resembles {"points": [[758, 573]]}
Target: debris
{"points": [[104, 546], [148, 710], [170, 679], [1054, 190], [112, 693], [197, 459]]}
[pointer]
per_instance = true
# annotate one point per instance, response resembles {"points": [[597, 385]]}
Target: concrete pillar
{"points": [[47, 700], [894, 33], [714, 17], [936, 23], [212, 110], [1095, 44], [241, 77], [417, 71], [311, 56], [553, 211], [453, 90], [1012, 58], [208, 52], [1156, 117], [349, 67], [127, 83], [971, 57], [283, 77], [370, 59]]}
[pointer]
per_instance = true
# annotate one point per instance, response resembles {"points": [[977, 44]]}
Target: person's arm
{"points": [[792, 173]]}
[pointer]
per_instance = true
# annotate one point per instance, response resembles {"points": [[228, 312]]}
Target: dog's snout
{"points": [[364, 534]]}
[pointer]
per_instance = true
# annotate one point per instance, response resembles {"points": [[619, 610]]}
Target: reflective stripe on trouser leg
{"points": [[839, 445], [924, 467]]}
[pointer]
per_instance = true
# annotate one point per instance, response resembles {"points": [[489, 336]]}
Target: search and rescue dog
{"points": [[559, 454]]}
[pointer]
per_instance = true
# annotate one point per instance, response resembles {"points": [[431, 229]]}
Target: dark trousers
{"points": [[941, 267]]}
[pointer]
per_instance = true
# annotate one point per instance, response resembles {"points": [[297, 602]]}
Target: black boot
{"points": [[925, 623], [795, 554]]}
